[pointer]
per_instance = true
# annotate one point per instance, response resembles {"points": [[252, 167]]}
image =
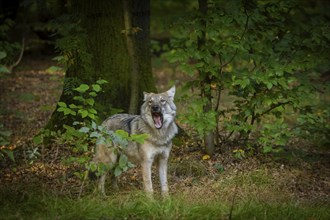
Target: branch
{"points": [[242, 35], [231, 59], [272, 107], [11, 67]]}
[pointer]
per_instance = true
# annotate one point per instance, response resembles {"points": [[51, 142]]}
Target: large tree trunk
{"points": [[104, 24]]}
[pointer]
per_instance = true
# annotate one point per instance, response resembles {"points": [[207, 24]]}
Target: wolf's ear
{"points": [[171, 93], [145, 96]]}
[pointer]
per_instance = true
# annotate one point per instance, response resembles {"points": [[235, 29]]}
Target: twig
{"points": [[217, 117], [82, 184], [56, 154], [11, 67]]}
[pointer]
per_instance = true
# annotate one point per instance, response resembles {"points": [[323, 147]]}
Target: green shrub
{"points": [[8, 49], [250, 53], [82, 136]]}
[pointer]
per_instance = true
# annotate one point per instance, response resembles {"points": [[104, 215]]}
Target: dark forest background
{"points": [[252, 81]]}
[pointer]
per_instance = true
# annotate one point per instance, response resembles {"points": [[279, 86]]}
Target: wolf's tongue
{"points": [[158, 121]]}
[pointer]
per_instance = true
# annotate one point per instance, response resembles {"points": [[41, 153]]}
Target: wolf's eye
{"points": [[150, 102], [163, 101]]}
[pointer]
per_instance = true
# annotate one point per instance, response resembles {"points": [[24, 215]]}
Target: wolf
{"points": [[157, 115]]}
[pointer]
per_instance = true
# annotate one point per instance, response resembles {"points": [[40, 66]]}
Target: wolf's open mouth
{"points": [[158, 120]]}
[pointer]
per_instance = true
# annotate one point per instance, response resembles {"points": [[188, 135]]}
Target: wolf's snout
{"points": [[155, 109]]}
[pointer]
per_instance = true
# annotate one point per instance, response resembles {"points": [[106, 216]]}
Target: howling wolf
{"points": [[157, 120]]}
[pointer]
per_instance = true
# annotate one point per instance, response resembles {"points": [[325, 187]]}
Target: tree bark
{"points": [[104, 24], [206, 91], [130, 31], [141, 19]]}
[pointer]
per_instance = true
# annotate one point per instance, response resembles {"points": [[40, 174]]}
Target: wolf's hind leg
{"points": [[114, 181]]}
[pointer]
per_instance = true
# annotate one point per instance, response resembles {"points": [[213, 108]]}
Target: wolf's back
{"points": [[121, 122]]}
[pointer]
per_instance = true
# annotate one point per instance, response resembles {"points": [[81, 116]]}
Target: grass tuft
{"points": [[256, 195], [40, 205]]}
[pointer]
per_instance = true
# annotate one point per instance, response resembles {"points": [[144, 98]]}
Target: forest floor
{"points": [[295, 186]]}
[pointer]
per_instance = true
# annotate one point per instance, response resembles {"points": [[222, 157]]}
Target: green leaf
{"points": [[10, 154], [244, 83], [54, 69], [123, 161], [268, 101], [79, 175], [82, 88], [93, 94], [84, 130], [101, 140], [37, 139], [83, 113], [96, 87], [62, 104], [130, 165], [93, 111], [73, 112], [219, 167], [61, 109], [140, 138], [247, 112], [101, 81], [2, 55], [122, 134], [269, 85], [267, 149], [90, 101], [4, 69], [5, 133], [79, 98], [92, 116], [94, 125], [66, 111], [73, 106], [118, 171], [3, 142], [93, 167], [95, 134], [59, 58]]}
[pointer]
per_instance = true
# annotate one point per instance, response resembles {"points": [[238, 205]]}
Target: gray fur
{"points": [[157, 120]]}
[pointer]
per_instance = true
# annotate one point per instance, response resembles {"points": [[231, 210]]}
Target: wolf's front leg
{"points": [[146, 175], [162, 169], [102, 183]]}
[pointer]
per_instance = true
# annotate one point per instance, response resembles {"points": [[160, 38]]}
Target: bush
{"points": [[250, 53], [82, 136]]}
